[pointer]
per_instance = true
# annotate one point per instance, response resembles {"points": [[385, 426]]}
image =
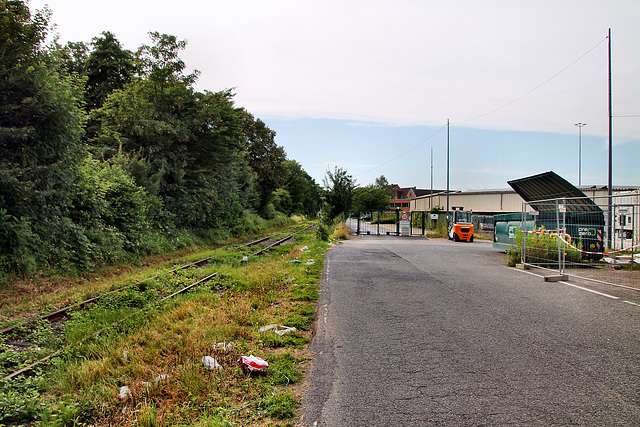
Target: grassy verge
{"points": [[136, 360]]}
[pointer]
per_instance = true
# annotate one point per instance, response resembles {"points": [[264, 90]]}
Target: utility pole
{"points": [[447, 166], [431, 198], [610, 183], [580, 152]]}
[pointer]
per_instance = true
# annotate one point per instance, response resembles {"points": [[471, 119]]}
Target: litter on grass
{"points": [[278, 329], [211, 363], [253, 363], [124, 392], [225, 346]]}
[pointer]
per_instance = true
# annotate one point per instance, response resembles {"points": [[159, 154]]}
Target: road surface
{"points": [[419, 332]]}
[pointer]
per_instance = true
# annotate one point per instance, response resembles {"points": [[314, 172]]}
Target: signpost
{"points": [[405, 224]]}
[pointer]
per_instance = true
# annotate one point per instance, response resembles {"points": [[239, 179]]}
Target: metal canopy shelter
{"points": [[550, 186]]}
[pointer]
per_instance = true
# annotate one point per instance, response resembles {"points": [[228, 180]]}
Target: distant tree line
{"points": [[107, 153], [342, 195]]}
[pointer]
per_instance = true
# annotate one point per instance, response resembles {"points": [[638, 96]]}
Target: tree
{"points": [[189, 146], [303, 190], [282, 201], [73, 58], [41, 126], [382, 183], [160, 62], [108, 67], [339, 188], [265, 157], [370, 198]]}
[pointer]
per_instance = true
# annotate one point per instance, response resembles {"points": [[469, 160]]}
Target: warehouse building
{"points": [[493, 202]]}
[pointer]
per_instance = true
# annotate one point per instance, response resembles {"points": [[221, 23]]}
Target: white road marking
{"points": [[632, 303], [590, 290], [570, 284]]}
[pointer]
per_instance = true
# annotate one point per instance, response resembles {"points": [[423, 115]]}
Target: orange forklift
{"points": [[459, 225]]}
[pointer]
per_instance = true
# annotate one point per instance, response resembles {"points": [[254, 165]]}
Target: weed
{"points": [[323, 232], [301, 318], [147, 415], [281, 406], [305, 293], [155, 348], [340, 232], [292, 339], [540, 248]]}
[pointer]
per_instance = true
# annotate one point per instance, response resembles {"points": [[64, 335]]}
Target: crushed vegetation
{"points": [[134, 359]]}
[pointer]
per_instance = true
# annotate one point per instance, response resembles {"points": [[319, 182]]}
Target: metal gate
{"points": [[377, 222], [387, 223], [418, 222]]}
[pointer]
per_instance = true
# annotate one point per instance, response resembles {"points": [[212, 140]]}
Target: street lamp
{"points": [[580, 152]]}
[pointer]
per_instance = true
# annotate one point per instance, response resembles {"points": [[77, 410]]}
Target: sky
{"points": [[369, 85]]}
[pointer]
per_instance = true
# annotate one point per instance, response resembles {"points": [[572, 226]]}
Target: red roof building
{"points": [[404, 196]]}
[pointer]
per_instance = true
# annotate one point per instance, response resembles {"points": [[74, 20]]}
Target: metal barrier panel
{"points": [[574, 238]]}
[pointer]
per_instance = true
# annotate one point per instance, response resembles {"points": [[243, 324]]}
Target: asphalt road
{"points": [[418, 332]]}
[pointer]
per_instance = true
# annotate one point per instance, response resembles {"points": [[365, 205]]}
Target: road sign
{"points": [[404, 216]]}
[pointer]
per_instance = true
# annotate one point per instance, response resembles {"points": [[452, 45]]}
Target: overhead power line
{"points": [[400, 155], [493, 111], [535, 88]]}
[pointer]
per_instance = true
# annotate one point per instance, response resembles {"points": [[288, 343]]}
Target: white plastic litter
{"points": [[160, 378], [304, 248], [245, 258], [211, 363], [125, 356], [253, 363], [618, 261], [225, 346], [310, 262], [124, 392], [278, 329]]}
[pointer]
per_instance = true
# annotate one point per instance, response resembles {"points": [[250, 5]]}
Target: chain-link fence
{"points": [[591, 238]]}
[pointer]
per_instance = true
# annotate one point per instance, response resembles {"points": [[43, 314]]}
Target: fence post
{"points": [[523, 234], [564, 236]]}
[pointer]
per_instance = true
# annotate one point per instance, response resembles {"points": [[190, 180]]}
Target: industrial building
{"points": [[499, 201]]}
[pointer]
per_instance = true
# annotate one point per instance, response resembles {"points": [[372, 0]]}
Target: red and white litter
{"points": [[253, 363]]}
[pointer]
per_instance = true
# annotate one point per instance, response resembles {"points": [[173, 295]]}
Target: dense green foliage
{"points": [[339, 188], [370, 198], [106, 154]]}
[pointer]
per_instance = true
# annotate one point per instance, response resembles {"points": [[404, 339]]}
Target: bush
{"points": [[340, 232], [323, 232]]}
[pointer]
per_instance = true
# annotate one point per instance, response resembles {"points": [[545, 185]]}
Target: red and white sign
{"points": [[404, 216]]}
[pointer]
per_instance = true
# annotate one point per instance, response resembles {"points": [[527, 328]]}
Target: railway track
{"points": [[269, 243], [63, 312]]}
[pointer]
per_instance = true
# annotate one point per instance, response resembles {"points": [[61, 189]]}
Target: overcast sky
{"points": [[357, 83]]}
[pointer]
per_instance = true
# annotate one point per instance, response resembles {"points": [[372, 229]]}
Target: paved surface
{"points": [[417, 332]]}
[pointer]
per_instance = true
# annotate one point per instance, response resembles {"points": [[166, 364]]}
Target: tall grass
{"points": [[155, 349], [540, 248]]}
